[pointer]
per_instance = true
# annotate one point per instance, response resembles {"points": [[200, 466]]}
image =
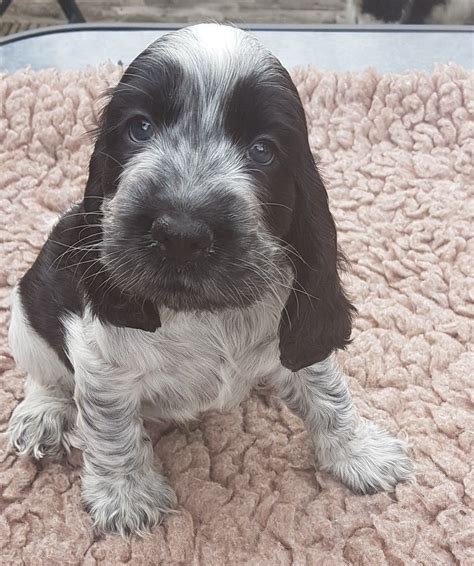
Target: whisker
{"points": [[122, 87], [85, 225], [112, 157], [275, 204]]}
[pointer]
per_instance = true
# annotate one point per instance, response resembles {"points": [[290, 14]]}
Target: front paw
{"points": [[42, 426], [372, 460], [128, 504]]}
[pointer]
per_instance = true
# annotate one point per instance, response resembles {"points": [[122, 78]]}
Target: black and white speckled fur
{"points": [[109, 337]]}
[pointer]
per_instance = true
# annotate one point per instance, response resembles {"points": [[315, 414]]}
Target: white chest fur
{"points": [[194, 362]]}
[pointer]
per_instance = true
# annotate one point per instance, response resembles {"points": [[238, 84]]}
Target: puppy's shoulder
{"points": [[49, 288]]}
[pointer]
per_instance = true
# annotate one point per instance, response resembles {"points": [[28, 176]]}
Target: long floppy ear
{"points": [[103, 168], [317, 318], [107, 302], [94, 192]]}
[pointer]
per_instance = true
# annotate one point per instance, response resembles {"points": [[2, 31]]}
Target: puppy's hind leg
{"points": [[43, 422]]}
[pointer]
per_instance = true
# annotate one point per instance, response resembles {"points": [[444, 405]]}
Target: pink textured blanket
{"points": [[396, 153]]}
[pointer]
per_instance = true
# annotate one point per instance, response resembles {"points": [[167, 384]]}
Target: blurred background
{"points": [[22, 15]]}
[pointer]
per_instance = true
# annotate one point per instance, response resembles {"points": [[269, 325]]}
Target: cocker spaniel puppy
{"points": [[201, 262]]}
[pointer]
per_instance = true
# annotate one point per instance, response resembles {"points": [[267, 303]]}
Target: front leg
{"points": [[120, 487], [363, 456]]}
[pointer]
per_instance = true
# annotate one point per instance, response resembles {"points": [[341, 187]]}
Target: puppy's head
{"points": [[207, 192]]}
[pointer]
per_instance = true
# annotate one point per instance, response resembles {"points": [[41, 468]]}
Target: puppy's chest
{"points": [[200, 362]]}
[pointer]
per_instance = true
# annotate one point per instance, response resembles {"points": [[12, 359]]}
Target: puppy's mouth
{"points": [[198, 286], [216, 281]]}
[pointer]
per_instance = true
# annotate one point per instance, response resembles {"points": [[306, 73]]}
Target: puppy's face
{"points": [[199, 143], [204, 194]]}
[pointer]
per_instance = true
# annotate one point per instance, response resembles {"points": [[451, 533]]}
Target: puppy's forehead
{"points": [[215, 39], [213, 51]]}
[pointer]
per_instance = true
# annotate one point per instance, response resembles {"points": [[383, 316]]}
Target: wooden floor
{"points": [[25, 14]]}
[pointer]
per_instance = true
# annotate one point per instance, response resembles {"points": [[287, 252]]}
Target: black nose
{"points": [[181, 237]]}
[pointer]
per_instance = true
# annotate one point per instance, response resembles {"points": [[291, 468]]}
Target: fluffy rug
{"points": [[396, 153]]}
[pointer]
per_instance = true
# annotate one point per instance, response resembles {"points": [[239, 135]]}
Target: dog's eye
{"points": [[261, 152], [140, 129]]}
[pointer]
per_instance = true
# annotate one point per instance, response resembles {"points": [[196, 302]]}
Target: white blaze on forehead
{"points": [[217, 38], [216, 46]]}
